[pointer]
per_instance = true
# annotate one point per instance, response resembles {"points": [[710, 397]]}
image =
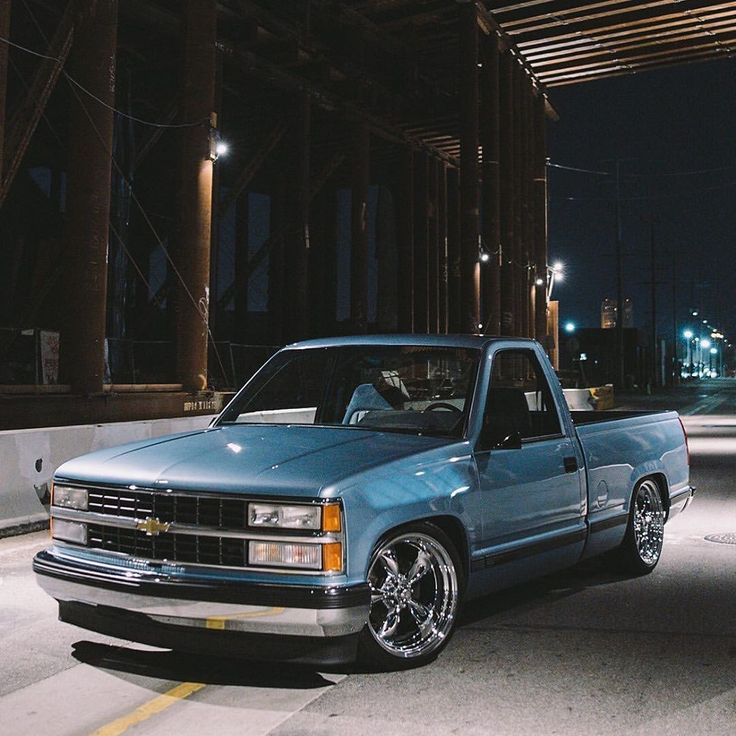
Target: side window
{"points": [[519, 399]]}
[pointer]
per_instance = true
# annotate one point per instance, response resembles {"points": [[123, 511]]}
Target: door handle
{"points": [[571, 464]]}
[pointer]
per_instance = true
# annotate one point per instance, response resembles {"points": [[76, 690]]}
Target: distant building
{"points": [[609, 313]]}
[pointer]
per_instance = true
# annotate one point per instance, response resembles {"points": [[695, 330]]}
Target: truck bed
{"points": [[594, 417]]}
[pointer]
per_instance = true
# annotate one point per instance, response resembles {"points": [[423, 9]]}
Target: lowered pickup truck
{"points": [[352, 496]]}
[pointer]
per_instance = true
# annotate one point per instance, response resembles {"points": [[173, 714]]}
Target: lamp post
{"points": [[688, 335]]}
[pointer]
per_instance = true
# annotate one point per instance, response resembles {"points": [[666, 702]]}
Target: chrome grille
{"points": [[211, 511]]}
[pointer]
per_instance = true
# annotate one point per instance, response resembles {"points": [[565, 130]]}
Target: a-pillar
{"points": [[540, 218], [4, 50], [490, 141], [359, 228], [92, 64], [469, 190], [195, 204]]}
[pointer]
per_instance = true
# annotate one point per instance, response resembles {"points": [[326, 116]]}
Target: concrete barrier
{"points": [[29, 457], [598, 398]]}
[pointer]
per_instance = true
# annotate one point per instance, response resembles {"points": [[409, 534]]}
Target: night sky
{"points": [[661, 124]]}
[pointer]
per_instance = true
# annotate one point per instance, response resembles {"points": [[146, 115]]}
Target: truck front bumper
{"points": [[153, 607]]}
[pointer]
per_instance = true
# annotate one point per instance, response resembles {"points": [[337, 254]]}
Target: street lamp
{"points": [[555, 272], [688, 335], [570, 327]]}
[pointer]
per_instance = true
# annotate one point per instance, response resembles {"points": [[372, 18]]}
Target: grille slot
{"points": [[171, 547], [211, 511]]}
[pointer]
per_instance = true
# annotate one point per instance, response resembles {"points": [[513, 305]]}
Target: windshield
{"points": [[405, 388]]}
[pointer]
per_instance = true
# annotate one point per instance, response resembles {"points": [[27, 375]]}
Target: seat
{"points": [[507, 412]]}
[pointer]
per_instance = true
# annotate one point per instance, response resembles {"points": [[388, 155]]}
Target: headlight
{"points": [[279, 516], [69, 498]]}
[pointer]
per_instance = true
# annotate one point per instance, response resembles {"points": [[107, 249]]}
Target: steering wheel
{"points": [[443, 405]]}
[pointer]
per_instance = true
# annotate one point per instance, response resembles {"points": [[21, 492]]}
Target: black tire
{"points": [[641, 548], [409, 622]]}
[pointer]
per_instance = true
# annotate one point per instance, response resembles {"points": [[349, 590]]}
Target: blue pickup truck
{"points": [[352, 496]]}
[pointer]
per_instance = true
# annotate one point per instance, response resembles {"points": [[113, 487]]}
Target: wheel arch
{"points": [[450, 525]]}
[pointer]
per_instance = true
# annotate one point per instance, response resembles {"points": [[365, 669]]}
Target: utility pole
{"points": [[619, 284], [675, 365], [653, 295]]}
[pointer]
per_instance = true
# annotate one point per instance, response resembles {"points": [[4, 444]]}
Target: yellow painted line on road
{"points": [[149, 709]]}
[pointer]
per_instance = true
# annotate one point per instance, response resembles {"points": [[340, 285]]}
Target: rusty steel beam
{"points": [[442, 229], [360, 165], [4, 55], [297, 241], [627, 69], [490, 141], [469, 190], [647, 24], [195, 215], [631, 61], [454, 289], [23, 124], [506, 162], [540, 220], [556, 45], [433, 260], [650, 40], [421, 242], [92, 63], [405, 236]]}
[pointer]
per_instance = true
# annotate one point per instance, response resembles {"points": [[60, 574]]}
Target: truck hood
{"points": [[290, 460]]}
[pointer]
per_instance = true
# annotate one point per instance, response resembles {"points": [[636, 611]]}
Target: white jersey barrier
{"points": [[29, 457]]}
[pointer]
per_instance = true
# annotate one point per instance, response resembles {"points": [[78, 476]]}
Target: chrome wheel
{"points": [[648, 522], [415, 595]]}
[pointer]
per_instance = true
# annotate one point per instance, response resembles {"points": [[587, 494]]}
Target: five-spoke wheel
{"points": [[416, 581]]}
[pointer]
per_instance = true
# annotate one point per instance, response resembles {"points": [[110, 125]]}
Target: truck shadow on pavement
{"points": [[542, 591], [186, 667]]}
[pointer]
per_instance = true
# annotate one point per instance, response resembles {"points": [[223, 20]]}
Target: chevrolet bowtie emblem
{"points": [[152, 526]]}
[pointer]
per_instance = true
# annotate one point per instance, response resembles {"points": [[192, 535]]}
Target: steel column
{"points": [[454, 323], [405, 228], [359, 228], [469, 190], [433, 255], [490, 141], [195, 215], [297, 306], [4, 51], [540, 218], [421, 242], [442, 227], [520, 310], [506, 165], [88, 199]]}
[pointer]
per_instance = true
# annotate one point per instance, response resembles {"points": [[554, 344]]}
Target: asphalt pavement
{"points": [[581, 652]]}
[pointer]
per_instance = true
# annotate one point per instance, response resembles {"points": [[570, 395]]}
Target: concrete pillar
{"points": [[359, 228], [4, 51], [195, 204], [92, 64], [469, 190], [405, 227], [490, 141]]}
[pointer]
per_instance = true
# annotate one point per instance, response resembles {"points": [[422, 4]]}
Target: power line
{"points": [[73, 81]]}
